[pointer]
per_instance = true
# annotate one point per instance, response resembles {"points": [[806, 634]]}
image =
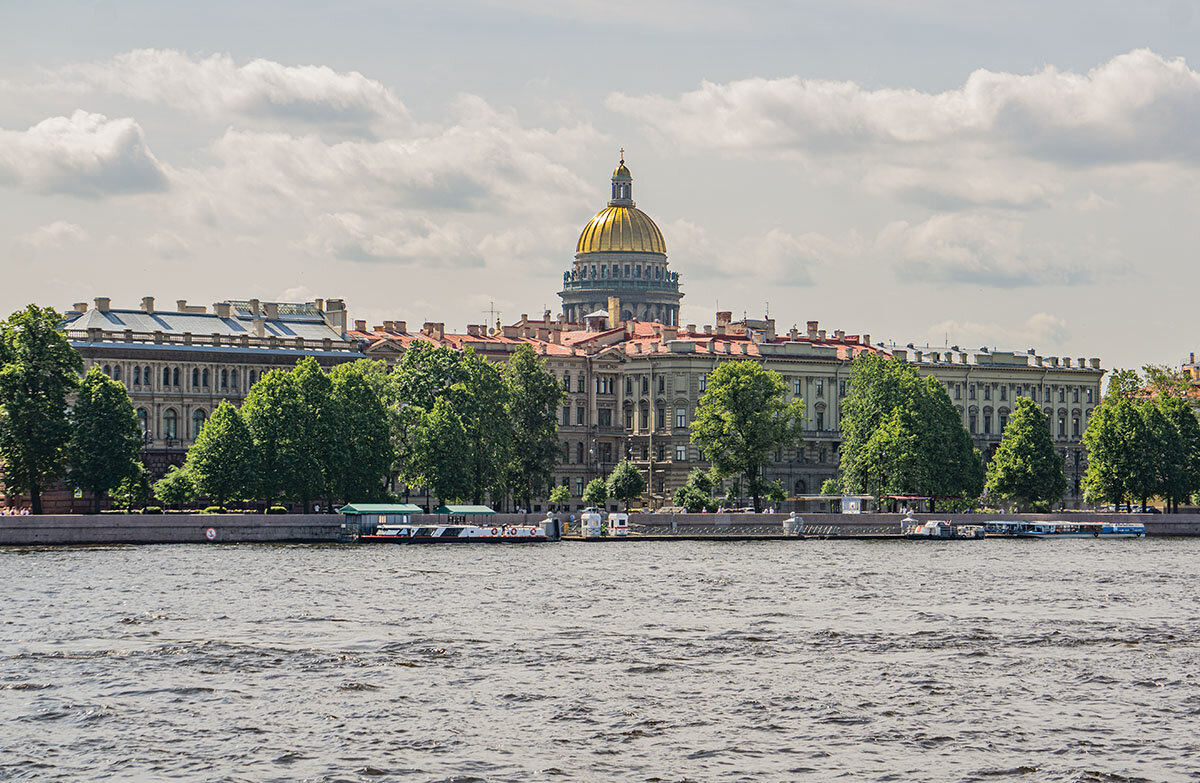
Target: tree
{"points": [[481, 399], [274, 413], [1169, 459], [561, 495], [1120, 456], [696, 493], [38, 371], [134, 489], [1186, 481], [318, 423], [742, 418], [774, 492], [626, 482], [901, 434], [1026, 468], [105, 436], [175, 488], [1163, 381], [533, 399], [361, 456], [596, 493], [440, 453], [830, 487], [222, 463]]}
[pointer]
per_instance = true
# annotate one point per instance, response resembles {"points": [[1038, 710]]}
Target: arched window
{"points": [[108, 370], [224, 379], [166, 376], [143, 420], [116, 372], [175, 377], [233, 378], [251, 380], [579, 452], [170, 424], [146, 377], [137, 376], [195, 377], [197, 423], [206, 379]]}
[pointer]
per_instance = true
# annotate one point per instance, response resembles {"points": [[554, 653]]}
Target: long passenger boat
{"points": [[1065, 529], [455, 534]]}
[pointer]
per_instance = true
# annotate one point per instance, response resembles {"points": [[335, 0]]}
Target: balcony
{"points": [[618, 284]]}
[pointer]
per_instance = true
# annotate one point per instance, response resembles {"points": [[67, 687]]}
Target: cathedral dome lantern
{"points": [[621, 252]]}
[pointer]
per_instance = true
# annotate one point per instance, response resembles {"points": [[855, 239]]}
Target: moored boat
{"points": [[1065, 529], [411, 533], [939, 529]]}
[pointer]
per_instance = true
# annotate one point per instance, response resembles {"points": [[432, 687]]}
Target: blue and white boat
{"points": [[1064, 529]]}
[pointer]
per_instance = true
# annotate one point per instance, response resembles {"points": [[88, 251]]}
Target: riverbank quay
{"points": [[93, 529]]}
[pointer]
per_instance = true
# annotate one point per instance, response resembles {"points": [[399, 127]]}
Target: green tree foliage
{"points": [[439, 455], [742, 418], [274, 413], [596, 493], [696, 493], [134, 489], [481, 399], [1120, 453], [1168, 460], [360, 457], [175, 488], [427, 373], [533, 399], [105, 437], [560, 495], [774, 492], [830, 487], [38, 371], [317, 465], [1184, 479], [223, 462], [1163, 381], [902, 435], [626, 482], [1026, 468]]}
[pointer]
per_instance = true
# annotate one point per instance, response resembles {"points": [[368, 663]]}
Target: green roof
{"points": [[381, 508], [464, 510]]}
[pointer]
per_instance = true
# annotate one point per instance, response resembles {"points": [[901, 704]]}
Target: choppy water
{"points": [[966, 661]]}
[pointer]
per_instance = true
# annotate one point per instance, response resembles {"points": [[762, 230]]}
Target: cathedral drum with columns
{"points": [[621, 253]]}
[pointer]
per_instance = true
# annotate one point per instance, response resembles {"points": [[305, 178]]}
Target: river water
{"points": [[678, 661]]}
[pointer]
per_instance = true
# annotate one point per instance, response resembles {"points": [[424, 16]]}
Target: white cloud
{"points": [[391, 239], [981, 249], [83, 155], [774, 257], [217, 86], [1038, 329], [51, 236], [1001, 139]]}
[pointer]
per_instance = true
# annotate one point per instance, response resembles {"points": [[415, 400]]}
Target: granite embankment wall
{"points": [[87, 529], [168, 528]]}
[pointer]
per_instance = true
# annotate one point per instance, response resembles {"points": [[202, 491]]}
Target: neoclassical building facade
{"points": [[621, 253]]}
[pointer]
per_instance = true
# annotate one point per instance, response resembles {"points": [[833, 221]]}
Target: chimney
{"points": [[388, 326], [254, 308], [402, 327], [917, 355], [724, 317], [821, 334], [148, 304], [840, 334], [221, 309], [360, 326], [435, 330], [260, 327], [546, 316], [866, 339], [181, 305], [708, 328], [812, 330], [614, 312], [475, 330], [81, 307], [320, 303], [102, 303], [691, 328], [272, 309]]}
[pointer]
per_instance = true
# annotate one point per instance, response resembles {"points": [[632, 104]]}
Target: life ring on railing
{"points": [[495, 532]]}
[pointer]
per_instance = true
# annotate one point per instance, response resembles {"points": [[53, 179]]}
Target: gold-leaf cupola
{"points": [[622, 185]]}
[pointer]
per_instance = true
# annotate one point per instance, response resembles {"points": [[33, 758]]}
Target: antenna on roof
{"points": [[768, 318]]}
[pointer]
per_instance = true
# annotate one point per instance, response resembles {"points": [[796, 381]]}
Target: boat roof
{"points": [[381, 508], [463, 509]]}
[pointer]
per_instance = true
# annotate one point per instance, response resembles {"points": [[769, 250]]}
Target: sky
{"points": [[1014, 175]]}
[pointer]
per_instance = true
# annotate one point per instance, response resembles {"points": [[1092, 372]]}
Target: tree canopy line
{"points": [[469, 430]]}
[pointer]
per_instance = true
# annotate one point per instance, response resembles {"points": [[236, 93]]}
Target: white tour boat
{"points": [[939, 529], [412, 533]]}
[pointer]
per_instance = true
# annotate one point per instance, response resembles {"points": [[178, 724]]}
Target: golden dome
{"points": [[617, 229], [621, 171]]}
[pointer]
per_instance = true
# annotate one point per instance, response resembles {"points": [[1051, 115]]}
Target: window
{"points": [[107, 370], [205, 379], [661, 421], [820, 387], [821, 454], [1075, 426], [579, 452], [841, 388], [195, 377], [627, 270], [629, 418], [566, 455], [567, 382], [175, 377], [987, 391], [146, 377], [797, 386], [637, 271], [166, 376], [645, 385], [971, 392], [1062, 394], [606, 453], [581, 384], [250, 379], [137, 376], [1062, 426], [143, 420], [820, 420], [566, 419], [1003, 419], [681, 417], [681, 453], [958, 391], [224, 379], [704, 383], [117, 372], [604, 417], [662, 384], [1088, 395], [987, 423], [1003, 392], [645, 451], [604, 384], [972, 419], [580, 414], [578, 487], [197, 423], [629, 386], [604, 271], [170, 424], [779, 455], [1075, 394], [1047, 395], [233, 378], [660, 453]]}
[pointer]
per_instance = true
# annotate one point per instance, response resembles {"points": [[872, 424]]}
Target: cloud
{"points": [[354, 237], [84, 155], [1001, 139], [1038, 329], [54, 235], [216, 86], [981, 249]]}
